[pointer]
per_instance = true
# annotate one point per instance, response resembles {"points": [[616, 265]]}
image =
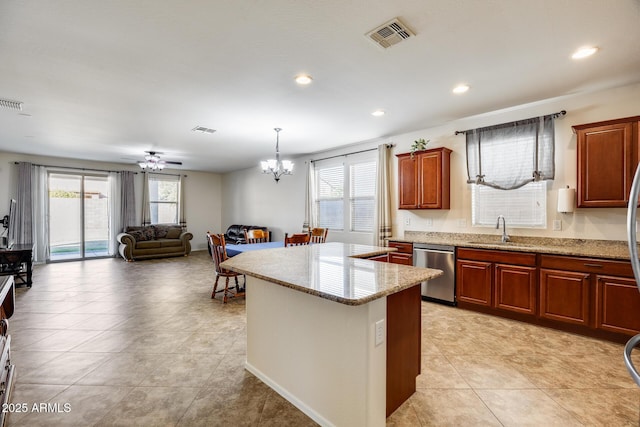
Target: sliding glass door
{"points": [[78, 216]]}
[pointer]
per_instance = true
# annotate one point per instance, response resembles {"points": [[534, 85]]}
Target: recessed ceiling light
{"points": [[462, 88], [584, 52], [303, 79], [378, 113]]}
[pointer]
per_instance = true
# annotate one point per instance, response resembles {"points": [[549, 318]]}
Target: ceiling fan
{"points": [[153, 162]]}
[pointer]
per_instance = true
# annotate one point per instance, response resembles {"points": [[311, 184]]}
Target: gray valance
{"points": [[510, 155]]}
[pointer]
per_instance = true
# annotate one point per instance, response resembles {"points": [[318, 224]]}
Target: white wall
{"points": [[250, 197], [202, 190], [253, 198]]}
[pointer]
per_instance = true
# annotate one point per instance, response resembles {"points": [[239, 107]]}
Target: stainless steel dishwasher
{"points": [[443, 288]]}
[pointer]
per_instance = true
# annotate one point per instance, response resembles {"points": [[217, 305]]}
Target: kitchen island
{"points": [[335, 334]]}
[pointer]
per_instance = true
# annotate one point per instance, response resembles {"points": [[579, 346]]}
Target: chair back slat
{"points": [[218, 250], [318, 235], [296, 239]]}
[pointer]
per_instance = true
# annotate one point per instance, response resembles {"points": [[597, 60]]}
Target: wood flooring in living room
{"points": [[143, 344]]}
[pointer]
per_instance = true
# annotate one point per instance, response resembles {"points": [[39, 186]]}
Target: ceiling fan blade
{"points": [[169, 162]]}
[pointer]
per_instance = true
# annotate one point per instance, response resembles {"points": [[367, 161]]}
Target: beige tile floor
{"points": [[143, 344]]}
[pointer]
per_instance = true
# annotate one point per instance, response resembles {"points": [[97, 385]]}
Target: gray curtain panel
{"points": [[310, 217], [146, 211], [21, 226], [181, 204], [40, 213], [128, 206]]}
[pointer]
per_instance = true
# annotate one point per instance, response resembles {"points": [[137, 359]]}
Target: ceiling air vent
{"points": [[203, 129], [11, 105], [393, 32]]}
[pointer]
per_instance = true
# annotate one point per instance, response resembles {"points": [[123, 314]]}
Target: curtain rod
{"points": [[69, 167], [554, 115], [349, 154], [161, 173]]}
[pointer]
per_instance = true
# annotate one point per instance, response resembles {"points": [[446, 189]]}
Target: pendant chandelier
{"points": [[277, 167]]}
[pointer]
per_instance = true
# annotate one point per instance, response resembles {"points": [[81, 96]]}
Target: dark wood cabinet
{"points": [[515, 288], [473, 282], [404, 255], [500, 280], [424, 179], [597, 293], [617, 305], [607, 157], [564, 296]]}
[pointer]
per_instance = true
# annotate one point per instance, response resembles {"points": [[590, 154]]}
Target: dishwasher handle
{"points": [[436, 251]]}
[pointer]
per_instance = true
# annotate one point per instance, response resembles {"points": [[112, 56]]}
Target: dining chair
{"points": [[219, 254], [256, 236], [296, 239], [318, 235]]}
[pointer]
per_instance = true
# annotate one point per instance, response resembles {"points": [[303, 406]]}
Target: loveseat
{"points": [[235, 233], [154, 241]]}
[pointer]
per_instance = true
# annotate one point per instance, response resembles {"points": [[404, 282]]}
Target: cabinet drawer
{"points": [[587, 265], [403, 247], [400, 258], [505, 257]]}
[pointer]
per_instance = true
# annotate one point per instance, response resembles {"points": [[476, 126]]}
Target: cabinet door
{"points": [[407, 182], [515, 288], [430, 171], [617, 305], [564, 296], [473, 282], [605, 165]]}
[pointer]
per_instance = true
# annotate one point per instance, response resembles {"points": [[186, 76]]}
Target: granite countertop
{"points": [[333, 271], [610, 249]]}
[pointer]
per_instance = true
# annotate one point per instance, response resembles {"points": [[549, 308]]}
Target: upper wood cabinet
{"points": [[424, 179], [607, 157]]}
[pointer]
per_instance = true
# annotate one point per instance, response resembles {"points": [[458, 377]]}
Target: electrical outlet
{"points": [[407, 221], [462, 223], [428, 222], [557, 224], [379, 332]]}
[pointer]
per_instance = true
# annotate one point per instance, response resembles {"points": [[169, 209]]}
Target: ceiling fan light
{"points": [[143, 165]]}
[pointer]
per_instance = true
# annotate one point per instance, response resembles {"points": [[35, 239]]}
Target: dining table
{"points": [[233, 250]]}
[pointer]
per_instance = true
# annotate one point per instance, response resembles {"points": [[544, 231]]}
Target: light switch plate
{"points": [[379, 332], [557, 224]]}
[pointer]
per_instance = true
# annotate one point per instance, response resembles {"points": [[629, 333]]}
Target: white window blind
{"points": [[330, 193], [524, 207], [362, 197]]}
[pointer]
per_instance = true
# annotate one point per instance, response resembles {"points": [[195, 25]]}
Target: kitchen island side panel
{"points": [[318, 354]]}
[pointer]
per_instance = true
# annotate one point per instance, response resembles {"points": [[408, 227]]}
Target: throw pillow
{"points": [[160, 231], [174, 232], [149, 233], [137, 235]]}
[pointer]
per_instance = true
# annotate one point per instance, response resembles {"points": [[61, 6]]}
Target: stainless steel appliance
{"points": [[443, 288], [635, 264]]}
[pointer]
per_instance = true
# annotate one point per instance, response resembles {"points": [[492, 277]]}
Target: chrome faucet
{"points": [[505, 236]]}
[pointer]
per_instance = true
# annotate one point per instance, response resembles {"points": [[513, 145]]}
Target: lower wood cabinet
{"points": [[592, 296], [404, 255], [515, 288], [501, 280], [564, 296], [617, 305]]}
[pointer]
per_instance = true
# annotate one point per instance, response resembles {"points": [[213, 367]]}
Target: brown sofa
{"points": [[154, 241]]}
